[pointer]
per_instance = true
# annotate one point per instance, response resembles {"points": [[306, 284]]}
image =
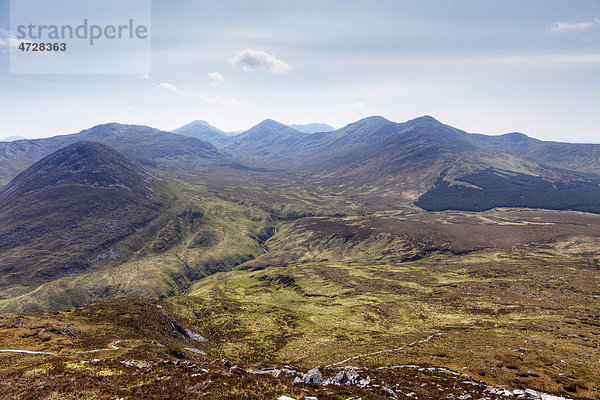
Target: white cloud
{"points": [[168, 87], [6, 40], [252, 60], [144, 76], [216, 78], [573, 26]]}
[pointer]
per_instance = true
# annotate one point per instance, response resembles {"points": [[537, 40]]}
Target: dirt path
{"points": [[28, 352], [385, 351]]}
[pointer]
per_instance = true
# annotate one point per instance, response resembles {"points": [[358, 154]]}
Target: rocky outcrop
{"points": [[312, 376], [349, 377]]}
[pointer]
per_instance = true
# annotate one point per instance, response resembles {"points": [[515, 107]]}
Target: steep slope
{"points": [[204, 131], [149, 146]]}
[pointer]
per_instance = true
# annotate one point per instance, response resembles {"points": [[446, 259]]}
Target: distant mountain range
{"points": [[381, 163], [203, 130], [75, 207], [146, 145], [12, 138]]}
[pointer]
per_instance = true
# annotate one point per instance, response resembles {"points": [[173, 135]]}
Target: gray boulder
{"points": [[348, 377], [313, 376]]}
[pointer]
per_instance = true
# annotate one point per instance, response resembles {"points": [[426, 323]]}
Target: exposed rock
{"points": [[135, 363], [266, 371], [310, 398], [313, 376], [290, 372], [363, 383], [348, 377], [531, 394], [285, 398], [65, 330], [201, 372], [195, 351], [197, 337], [226, 363]]}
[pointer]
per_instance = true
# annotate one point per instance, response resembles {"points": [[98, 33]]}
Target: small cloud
{"points": [[145, 77], [573, 26], [253, 60], [215, 77], [168, 87]]}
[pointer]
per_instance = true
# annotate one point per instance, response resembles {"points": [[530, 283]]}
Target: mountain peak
{"points": [[83, 163], [202, 130], [425, 119], [312, 127], [372, 120], [269, 127], [270, 123], [515, 136]]}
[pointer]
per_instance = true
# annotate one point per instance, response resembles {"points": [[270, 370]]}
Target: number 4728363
{"points": [[28, 46]]}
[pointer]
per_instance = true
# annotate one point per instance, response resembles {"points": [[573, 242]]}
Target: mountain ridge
{"points": [[147, 145]]}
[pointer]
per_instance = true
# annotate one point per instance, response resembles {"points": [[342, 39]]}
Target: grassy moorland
{"points": [[522, 322], [511, 297], [515, 303], [197, 235]]}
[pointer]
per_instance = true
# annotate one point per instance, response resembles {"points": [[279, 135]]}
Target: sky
{"points": [[484, 66]]}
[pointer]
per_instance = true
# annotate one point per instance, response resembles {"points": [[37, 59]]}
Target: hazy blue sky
{"points": [[480, 65]]}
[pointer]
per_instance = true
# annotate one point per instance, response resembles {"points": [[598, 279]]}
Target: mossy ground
{"points": [[515, 304], [525, 323]]}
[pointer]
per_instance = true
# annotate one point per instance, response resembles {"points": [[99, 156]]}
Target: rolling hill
{"points": [[88, 223], [70, 212]]}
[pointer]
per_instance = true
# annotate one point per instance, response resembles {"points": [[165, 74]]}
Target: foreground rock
{"points": [[312, 376]]}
